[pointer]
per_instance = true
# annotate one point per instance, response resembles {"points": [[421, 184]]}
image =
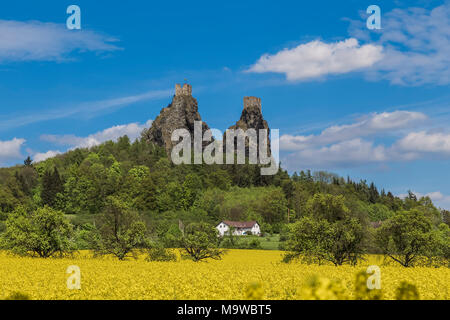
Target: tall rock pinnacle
{"points": [[251, 118], [179, 114]]}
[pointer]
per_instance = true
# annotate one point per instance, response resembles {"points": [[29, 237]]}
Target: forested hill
{"points": [[139, 174]]}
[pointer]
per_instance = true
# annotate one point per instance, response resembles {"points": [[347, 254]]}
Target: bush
{"points": [[83, 236], [319, 288], [18, 296], [284, 237], [159, 253], [407, 291], [228, 243], [254, 291], [171, 238], [254, 244], [362, 292]]}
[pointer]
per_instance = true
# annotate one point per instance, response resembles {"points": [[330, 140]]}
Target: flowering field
{"points": [[230, 278]]}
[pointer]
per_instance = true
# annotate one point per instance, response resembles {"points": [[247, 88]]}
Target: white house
{"points": [[240, 228]]}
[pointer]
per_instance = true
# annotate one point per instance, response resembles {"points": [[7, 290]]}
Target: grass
{"points": [[267, 243], [270, 242]]}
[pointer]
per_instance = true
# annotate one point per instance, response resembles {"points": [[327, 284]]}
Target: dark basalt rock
{"points": [[180, 114]]}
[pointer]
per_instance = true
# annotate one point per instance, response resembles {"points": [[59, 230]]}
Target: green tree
{"points": [[192, 187], [446, 217], [28, 162], [407, 237], [299, 199], [120, 230], [379, 212], [200, 242], [273, 207], [7, 200], [51, 186], [219, 179], [327, 206], [44, 232], [171, 198], [171, 238], [443, 243], [27, 178], [146, 195], [318, 240]]}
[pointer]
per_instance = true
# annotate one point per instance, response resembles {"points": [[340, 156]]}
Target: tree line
{"points": [[82, 184]]}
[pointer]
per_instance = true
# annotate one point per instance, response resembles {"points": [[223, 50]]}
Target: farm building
{"points": [[240, 227]]}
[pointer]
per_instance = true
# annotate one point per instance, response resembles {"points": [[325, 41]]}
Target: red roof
{"points": [[240, 224]]}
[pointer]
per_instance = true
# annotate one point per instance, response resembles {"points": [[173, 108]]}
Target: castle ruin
{"points": [[252, 101], [186, 90]]}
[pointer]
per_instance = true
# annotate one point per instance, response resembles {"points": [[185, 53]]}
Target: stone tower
{"points": [[186, 90], [252, 102]]}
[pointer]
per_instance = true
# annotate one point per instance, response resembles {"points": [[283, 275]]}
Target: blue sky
{"points": [[373, 104]]}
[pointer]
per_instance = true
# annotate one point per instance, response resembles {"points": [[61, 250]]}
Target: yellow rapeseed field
{"points": [[226, 279]]}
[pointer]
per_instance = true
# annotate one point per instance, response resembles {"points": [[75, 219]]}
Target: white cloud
{"points": [[11, 149], [424, 142], [39, 41], [38, 157], [316, 58], [343, 154], [416, 45], [132, 130], [375, 123], [85, 109], [412, 48], [375, 138]]}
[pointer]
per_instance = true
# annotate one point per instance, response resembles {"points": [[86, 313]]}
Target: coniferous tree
{"points": [[28, 162], [51, 186]]}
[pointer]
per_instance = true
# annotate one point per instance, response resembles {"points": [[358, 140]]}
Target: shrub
{"points": [[18, 296], [362, 292], [254, 244], [228, 243], [159, 253], [254, 291], [318, 288], [407, 291]]}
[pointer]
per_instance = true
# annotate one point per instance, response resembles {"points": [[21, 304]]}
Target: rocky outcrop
{"points": [[180, 114], [251, 118]]}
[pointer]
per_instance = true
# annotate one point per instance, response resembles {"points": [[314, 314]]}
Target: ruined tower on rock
{"points": [[179, 114], [251, 118]]}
